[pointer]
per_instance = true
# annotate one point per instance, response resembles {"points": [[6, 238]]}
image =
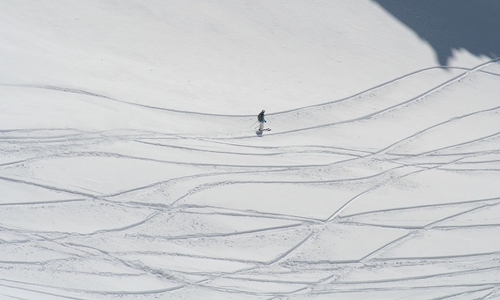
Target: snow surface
{"points": [[130, 167]]}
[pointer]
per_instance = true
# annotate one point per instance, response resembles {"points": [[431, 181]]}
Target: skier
{"points": [[262, 120]]}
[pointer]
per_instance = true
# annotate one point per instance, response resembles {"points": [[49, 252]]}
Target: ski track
{"points": [[54, 143]]}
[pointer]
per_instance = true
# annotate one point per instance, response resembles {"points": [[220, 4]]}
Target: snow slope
{"points": [[130, 168]]}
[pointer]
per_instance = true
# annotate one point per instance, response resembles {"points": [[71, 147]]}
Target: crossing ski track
{"points": [[227, 215]]}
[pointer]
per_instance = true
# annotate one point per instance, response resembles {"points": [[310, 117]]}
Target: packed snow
{"points": [[131, 167]]}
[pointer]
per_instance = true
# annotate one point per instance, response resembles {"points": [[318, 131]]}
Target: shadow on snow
{"points": [[451, 24]]}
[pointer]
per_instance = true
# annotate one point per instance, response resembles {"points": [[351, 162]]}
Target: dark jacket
{"points": [[261, 118]]}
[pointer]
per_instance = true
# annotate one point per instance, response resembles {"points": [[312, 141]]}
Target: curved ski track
{"points": [[166, 215]]}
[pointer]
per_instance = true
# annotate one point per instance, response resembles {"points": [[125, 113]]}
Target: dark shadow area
{"points": [[473, 25]]}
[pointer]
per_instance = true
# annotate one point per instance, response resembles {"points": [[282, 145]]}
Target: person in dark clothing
{"points": [[261, 118]]}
